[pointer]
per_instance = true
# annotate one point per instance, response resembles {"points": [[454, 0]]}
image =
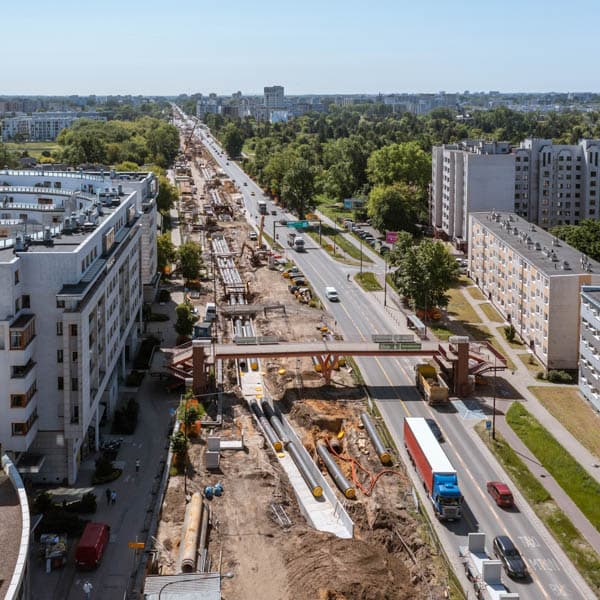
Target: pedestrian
{"points": [[87, 589], [348, 276], [107, 495], [137, 465], [113, 496]]}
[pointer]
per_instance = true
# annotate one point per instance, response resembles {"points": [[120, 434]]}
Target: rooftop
{"points": [[538, 247], [592, 292]]}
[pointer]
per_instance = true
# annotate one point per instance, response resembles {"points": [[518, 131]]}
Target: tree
{"points": [[585, 236], [299, 187], [165, 251], [233, 140], [425, 274], [184, 325], [163, 143], [400, 248], [395, 207], [189, 257], [167, 194], [405, 162]]}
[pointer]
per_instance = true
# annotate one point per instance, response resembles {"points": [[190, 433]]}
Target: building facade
{"points": [[76, 250], [274, 97], [545, 183], [42, 126], [589, 346], [534, 280]]}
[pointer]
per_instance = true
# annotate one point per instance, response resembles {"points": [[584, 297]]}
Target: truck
{"points": [[91, 546], [262, 207], [433, 467], [295, 241], [431, 385]]}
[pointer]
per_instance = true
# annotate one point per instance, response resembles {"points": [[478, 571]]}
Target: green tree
{"points": [[184, 325], [7, 158], [233, 140], [179, 443], [425, 274], [394, 207], [298, 187], [585, 237], [400, 248], [167, 194], [163, 144], [189, 258], [165, 251], [405, 162]]}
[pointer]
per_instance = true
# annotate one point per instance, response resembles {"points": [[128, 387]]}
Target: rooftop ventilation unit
{"points": [[566, 266], [515, 231], [538, 246], [555, 242], [553, 256]]}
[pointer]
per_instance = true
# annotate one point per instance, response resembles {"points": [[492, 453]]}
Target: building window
{"points": [[61, 383], [23, 428], [26, 301], [60, 303], [16, 276], [59, 328], [74, 384], [22, 400], [74, 356], [73, 329], [59, 356]]}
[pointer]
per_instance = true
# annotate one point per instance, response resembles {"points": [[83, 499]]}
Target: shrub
{"points": [[42, 503], [59, 520], [87, 504], [509, 333], [179, 443], [104, 467], [559, 377], [540, 375]]}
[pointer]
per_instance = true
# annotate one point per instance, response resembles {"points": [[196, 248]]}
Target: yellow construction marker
{"points": [[281, 371], [341, 434]]}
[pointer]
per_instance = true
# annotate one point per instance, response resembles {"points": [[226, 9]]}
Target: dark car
{"points": [[437, 432], [501, 493], [506, 551]]}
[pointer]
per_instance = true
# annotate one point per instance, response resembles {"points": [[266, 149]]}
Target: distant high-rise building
{"points": [[274, 98]]}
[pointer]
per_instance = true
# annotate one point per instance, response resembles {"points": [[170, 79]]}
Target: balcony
{"points": [[21, 371], [22, 332]]}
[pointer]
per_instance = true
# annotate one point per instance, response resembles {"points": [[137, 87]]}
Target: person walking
{"points": [[87, 590], [113, 496], [107, 492], [137, 465]]}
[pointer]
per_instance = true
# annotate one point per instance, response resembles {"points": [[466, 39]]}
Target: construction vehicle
{"points": [[262, 207], [295, 241], [433, 467], [431, 385]]}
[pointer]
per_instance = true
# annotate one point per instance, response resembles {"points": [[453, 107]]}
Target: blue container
{"points": [[208, 492], [218, 490]]}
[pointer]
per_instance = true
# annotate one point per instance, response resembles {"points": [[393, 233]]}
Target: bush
{"points": [[86, 505], [59, 520], [509, 333], [559, 377], [540, 375], [42, 503], [126, 418], [104, 467]]}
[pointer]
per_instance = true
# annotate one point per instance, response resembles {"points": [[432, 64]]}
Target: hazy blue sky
{"points": [[325, 46]]}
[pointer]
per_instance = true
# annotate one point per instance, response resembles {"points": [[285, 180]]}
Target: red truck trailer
{"points": [[91, 546]]}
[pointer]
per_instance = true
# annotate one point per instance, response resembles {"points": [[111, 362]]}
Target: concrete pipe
{"points": [[335, 471], [268, 430], [276, 423], [311, 480], [189, 535], [382, 452]]}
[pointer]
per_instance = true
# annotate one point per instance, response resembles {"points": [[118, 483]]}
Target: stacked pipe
{"points": [[335, 472], [309, 478], [382, 452], [269, 432], [275, 422], [189, 537]]}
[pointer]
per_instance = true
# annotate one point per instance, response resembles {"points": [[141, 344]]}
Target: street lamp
{"points": [[494, 402], [361, 244], [385, 281]]}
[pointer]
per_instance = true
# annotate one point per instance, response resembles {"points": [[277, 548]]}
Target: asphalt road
{"points": [[390, 382]]}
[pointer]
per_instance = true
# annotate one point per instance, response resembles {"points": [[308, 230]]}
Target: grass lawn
{"points": [[574, 412], [530, 362], [517, 344], [335, 212], [490, 312], [585, 559], [569, 474], [476, 293], [368, 281], [34, 149], [459, 307], [341, 242]]}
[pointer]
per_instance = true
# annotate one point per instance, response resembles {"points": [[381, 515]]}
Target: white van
{"points": [[331, 294]]}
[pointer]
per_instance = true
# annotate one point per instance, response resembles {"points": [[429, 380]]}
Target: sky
{"points": [[322, 47]]}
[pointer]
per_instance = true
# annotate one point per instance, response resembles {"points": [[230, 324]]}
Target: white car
{"points": [[331, 294]]}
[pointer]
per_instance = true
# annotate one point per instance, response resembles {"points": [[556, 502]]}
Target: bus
{"points": [[262, 207]]}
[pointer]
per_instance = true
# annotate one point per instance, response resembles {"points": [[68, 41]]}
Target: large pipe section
{"points": [[335, 471], [204, 533], [189, 535], [382, 452], [275, 422], [269, 432], [311, 480]]}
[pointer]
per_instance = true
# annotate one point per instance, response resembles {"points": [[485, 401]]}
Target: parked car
{"points": [[253, 235], [91, 546], [501, 493], [506, 551], [435, 429], [331, 294]]}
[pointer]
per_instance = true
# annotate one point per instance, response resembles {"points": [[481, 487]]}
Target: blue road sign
{"points": [[298, 224]]}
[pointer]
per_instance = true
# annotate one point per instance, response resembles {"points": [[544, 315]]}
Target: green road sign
{"points": [[298, 224]]}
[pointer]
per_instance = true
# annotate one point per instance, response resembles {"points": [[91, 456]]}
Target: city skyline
{"points": [[333, 48]]}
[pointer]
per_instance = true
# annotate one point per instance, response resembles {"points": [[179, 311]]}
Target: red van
{"points": [[91, 546], [501, 493]]}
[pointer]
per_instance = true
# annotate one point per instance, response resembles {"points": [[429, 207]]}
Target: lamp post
{"points": [[494, 402], [361, 242], [385, 281]]}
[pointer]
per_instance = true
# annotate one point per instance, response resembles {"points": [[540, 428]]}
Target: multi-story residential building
{"points": [[545, 183], [589, 346], [76, 250], [207, 105], [468, 177], [534, 280], [274, 97], [43, 126]]}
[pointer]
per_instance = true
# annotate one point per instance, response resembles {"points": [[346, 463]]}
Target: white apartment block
{"points": [[545, 183], [76, 250], [589, 347], [470, 176], [42, 126], [534, 280], [274, 97]]}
